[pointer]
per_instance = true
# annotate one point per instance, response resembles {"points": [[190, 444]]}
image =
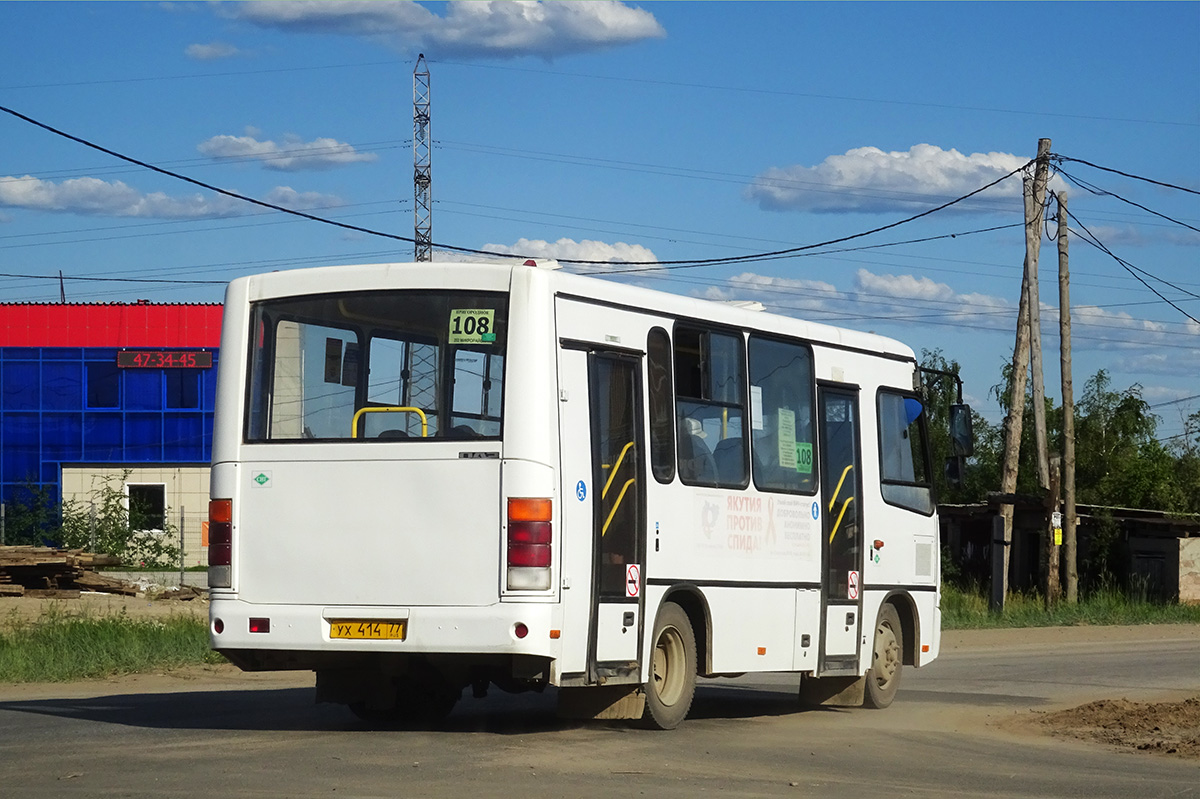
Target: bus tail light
{"points": [[530, 539], [220, 543]]}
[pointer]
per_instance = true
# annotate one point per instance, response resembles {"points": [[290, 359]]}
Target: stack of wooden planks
{"points": [[58, 573]]}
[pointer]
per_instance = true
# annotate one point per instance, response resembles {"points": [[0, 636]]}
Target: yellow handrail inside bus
{"points": [[617, 504], [612, 474], [838, 523], [388, 409], [838, 490], [845, 504]]}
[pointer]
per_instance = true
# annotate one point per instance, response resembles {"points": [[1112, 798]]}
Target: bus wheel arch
{"points": [[910, 625], [694, 604]]}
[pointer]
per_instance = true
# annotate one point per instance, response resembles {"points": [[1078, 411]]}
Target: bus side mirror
{"points": [[962, 439]]}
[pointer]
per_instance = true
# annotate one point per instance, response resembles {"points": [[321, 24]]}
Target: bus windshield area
{"points": [[377, 365]]}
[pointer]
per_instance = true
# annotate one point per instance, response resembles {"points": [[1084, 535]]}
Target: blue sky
{"points": [[636, 131]]}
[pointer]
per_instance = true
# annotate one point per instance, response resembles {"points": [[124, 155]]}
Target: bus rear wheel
{"points": [[883, 678], [672, 681]]}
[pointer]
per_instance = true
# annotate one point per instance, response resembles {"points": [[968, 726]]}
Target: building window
{"points": [[103, 385], [183, 388], [147, 505]]}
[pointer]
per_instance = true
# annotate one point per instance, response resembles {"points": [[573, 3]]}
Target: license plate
{"points": [[367, 629]]}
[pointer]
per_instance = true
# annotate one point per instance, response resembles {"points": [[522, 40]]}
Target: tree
{"points": [[983, 468], [1119, 462], [31, 516]]}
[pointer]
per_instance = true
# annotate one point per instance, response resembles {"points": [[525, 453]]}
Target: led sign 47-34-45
{"points": [[164, 359]]}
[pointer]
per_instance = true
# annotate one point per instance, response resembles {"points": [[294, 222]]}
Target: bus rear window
{"points": [[377, 365]]}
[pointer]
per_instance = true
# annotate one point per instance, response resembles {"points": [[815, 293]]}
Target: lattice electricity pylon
{"points": [[422, 182], [421, 385]]}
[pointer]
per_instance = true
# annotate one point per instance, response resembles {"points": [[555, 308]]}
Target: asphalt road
{"points": [[960, 727]]}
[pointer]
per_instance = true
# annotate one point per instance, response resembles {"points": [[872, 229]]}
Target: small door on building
{"points": [[841, 491], [618, 526]]}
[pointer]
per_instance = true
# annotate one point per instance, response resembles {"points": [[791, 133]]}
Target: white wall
{"points": [[186, 488]]}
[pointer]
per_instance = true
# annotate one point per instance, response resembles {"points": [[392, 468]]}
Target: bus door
{"points": [[841, 500], [618, 517]]}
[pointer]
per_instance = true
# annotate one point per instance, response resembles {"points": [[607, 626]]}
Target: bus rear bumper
{"points": [[266, 637]]}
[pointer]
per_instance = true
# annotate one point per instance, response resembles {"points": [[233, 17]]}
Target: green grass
{"points": [[968, 610], [58, 647]]}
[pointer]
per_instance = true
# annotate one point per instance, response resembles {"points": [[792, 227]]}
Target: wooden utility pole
{"points": [[1053, 531], [1068, 405], [1040, 177], [1014, 422]]}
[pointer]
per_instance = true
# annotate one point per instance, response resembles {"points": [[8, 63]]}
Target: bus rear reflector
{"points": [[220, 543], [530, 538]]}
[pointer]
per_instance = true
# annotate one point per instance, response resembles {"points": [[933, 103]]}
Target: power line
{"points": [[926, 259], [208, 229], [839, 189], [1060, 158], [678, 264], [218, 160], [1094, 189], [786, 93], [689, 264], [1175, 401], [855, 297], [119, 279], [199, 76], [1091, 239], [218, 189], [640, 266]]}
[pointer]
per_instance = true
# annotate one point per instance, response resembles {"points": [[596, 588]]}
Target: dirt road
{"points": [[1122, 719]]}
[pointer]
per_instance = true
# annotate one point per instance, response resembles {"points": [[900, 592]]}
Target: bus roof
{"points": [[498, 275]]}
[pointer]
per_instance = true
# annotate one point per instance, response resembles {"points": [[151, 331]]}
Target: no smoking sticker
{"points": [[633, 580], [852, 585]]}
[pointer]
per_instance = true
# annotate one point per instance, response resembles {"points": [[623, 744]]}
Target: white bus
{"points": [[433, 476]]}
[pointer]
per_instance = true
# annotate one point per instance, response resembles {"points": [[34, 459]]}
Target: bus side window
{"points": [[781, 414], [662, 421], [903, 459], [710, 407]]}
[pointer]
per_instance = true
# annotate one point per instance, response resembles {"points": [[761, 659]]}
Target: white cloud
{"points": [[871, 298], [778, 294], [586, 250], [1137, 345], [94, 197], [290, 155], [288, 197], [213, 51], [869, 180], [1130, 236], [505, 29]]}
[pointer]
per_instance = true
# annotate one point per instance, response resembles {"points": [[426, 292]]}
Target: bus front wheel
{"points": [[672, 681], [883, 678]]}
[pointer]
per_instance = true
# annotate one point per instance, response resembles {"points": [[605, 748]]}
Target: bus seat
{"points": [[730, 460], [695, 461]]}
